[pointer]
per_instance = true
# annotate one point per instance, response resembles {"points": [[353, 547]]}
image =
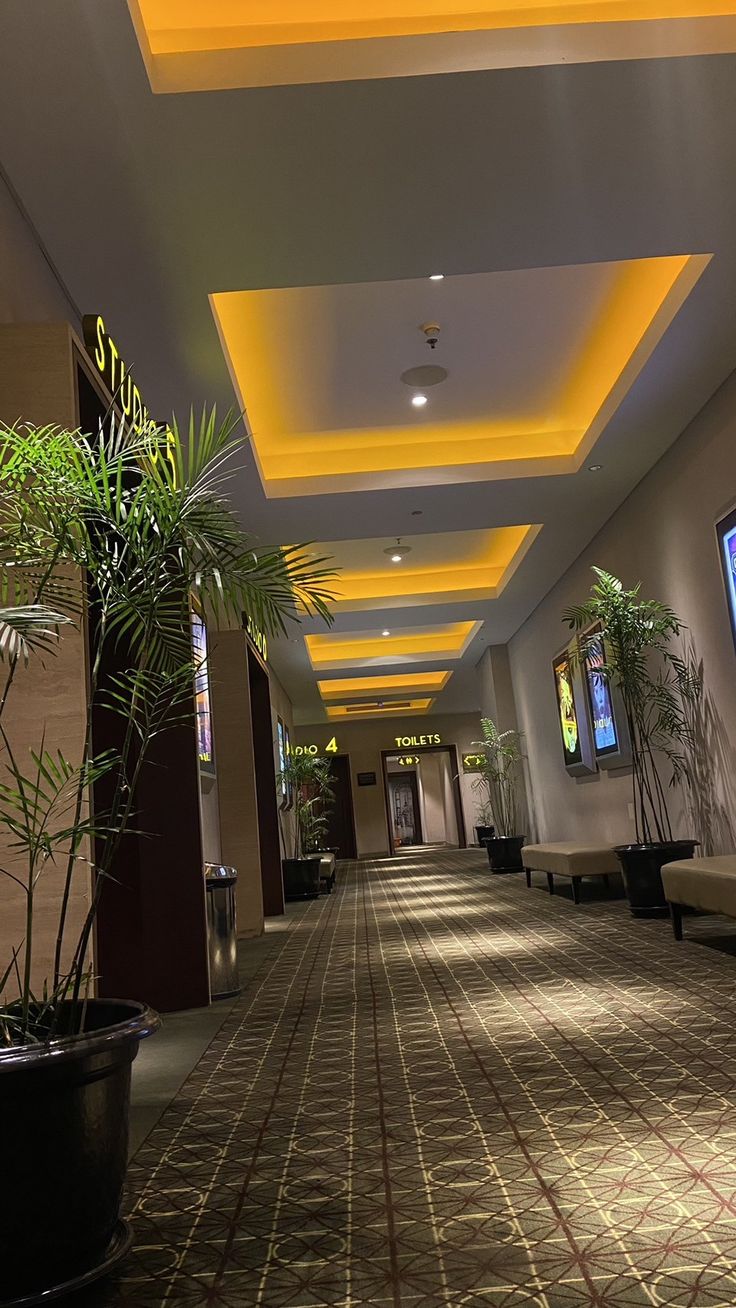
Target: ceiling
{"points": [[274, 244], [191, 46]]}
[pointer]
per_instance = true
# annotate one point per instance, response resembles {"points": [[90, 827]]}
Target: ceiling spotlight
{"points": [[595, 467], [419, 401], [436, 277], [398, 551], [385, 633]]}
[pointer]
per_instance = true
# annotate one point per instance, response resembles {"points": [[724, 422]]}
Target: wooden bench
{"points": [[564, 859], [708, 884]]}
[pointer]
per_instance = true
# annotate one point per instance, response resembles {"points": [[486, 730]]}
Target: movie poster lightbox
{"points": [[572, 714], [611, 744], [202, 702], [726, 531]]}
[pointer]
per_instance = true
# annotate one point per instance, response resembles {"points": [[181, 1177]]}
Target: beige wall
{"points": [[664, 536], [364, 741]]}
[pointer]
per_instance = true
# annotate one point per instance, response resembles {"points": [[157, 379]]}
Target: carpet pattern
{"points": [[446, 1089]]}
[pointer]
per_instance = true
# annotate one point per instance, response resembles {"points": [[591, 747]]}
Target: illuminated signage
{"points": [[113, 369], [409, 742], [202, 701], [567, 712], [473, 762], [313, 750], [605, 737], [408, 760], [726, 530], [257, 637]]}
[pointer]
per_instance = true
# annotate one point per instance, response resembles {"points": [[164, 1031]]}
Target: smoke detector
{"points": [[398, 551]]}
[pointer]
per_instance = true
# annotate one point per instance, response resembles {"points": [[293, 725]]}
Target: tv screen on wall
{"points": [[726, 529], [567, 714], [605, 734], [202, 702]]}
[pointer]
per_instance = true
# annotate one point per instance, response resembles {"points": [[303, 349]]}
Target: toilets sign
{"points": [[416, 742]]}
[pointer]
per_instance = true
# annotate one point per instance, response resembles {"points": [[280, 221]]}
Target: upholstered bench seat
{"points": [[705, 883], [327, 872], [564, 859]]}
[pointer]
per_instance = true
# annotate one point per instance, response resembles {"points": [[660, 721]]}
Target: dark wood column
{"points": [[268, 819]]}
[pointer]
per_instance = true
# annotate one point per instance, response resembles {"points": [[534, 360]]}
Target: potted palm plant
{"points": [[484, 828], [629, 638], [308, 779], [112, 533], [498, 785]]}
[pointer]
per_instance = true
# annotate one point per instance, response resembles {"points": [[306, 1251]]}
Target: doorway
{"points": [[340, 830], [266, 801], [423, 799], [405, 820]]}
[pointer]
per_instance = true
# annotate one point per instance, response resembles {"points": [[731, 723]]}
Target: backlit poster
{"points": [[727, 541], [281, 737], [605, 735], [202, 702], [566, 711]]}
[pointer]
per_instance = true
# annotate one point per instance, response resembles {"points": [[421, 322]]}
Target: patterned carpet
{"points": [[445, 1089]]}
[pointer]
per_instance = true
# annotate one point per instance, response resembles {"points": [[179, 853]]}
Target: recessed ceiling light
{"points": [[385, 633], [419, 401], [398, 551], [436, 277], [595, 467]]}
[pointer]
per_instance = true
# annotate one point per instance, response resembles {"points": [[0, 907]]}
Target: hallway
{"points": [[441, 1088]]}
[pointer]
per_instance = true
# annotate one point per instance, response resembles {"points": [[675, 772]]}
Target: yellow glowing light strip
{"points": [[484, 577], [645, 298], [445, 641], [406, 683], [192, 26], [378, 710]]}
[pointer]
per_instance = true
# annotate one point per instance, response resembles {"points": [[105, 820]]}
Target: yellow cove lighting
{"points": [[214, 44], [407, 683], [586, 379], [379, 708], [365, 649], [442, 567]]}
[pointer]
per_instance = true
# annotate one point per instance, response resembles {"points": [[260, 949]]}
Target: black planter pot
{"points": [[504, 853], [65, 1152], [642, 865], [301, 878], [482, 834]]}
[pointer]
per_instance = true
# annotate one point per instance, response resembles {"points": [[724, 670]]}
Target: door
{"points": [[340, 830], [403, 795]]}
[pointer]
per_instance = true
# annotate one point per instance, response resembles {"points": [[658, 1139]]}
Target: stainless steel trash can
{"points": [[222, 930]]}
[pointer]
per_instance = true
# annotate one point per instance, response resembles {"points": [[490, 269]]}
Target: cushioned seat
{"points": [[705, 883], [327, 871], [565, 859]]}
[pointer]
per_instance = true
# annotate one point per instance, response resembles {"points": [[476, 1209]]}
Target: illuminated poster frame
{"points": [[726, 534], [202, 697], [576, 735], [611, 742]]}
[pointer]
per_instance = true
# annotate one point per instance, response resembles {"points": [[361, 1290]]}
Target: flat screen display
{"points": [[727, 542], [202, 701], [605, 735], [566, 711]]}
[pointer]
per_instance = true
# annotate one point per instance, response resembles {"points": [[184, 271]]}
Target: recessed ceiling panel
{"points": [[379, 708], [370, 649], [398, 684], [440, 567], [197, 45], [538, 361]]}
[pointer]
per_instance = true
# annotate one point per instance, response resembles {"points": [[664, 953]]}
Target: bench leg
{"points": [[528, 872], [606, 881], [676, 916], [551, 882], [576, 889]]}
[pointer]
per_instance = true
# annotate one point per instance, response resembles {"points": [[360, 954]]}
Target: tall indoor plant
{"points": [[498, 784], [111, 533], [631, 640], [307, 779]]}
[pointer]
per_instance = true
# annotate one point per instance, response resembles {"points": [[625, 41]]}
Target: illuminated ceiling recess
{"points": [[209, 45], [407, 645], [396, 685], [380, 708], [444, 567], [538, 362]]}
